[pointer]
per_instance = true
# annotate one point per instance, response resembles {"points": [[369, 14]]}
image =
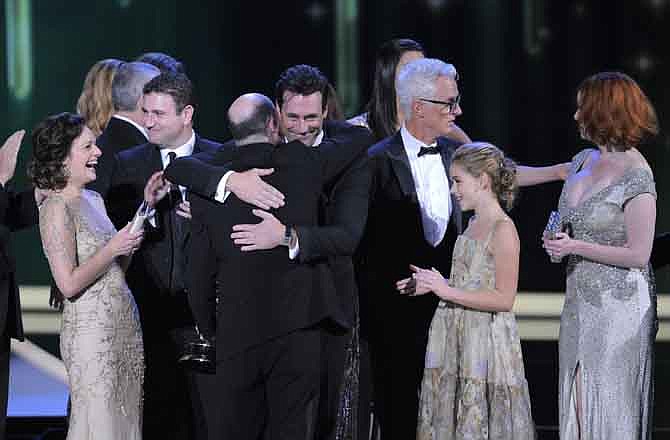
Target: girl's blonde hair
{"points": [[481, 157]]}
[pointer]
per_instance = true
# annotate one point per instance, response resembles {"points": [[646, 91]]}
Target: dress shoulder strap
{"points": [[493, 229]]}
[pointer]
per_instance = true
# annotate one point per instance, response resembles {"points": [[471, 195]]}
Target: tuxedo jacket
{"points": [[342, 217], [394, 236], [263, 294], [117, 136], [16, 211], [150, 271]]}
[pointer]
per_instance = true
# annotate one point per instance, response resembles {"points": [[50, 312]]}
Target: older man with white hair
{"points": [[412, 220]]}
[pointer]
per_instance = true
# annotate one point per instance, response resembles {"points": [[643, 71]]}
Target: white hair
{"points": [[417, 80]]}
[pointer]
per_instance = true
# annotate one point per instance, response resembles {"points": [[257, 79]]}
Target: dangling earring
{"points": [[66, 172]]}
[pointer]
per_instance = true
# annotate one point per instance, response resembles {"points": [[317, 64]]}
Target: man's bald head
{"points": [[252, 118]]}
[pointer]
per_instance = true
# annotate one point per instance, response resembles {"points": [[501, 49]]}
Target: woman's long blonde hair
{"points": [[95, 102]]}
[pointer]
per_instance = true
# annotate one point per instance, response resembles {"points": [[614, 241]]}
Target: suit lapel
{"points": [[448, 148], [153, 159], [400, 164], [197, 145]]}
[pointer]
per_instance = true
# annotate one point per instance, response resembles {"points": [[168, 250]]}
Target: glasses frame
{"points": [[449, 106]]}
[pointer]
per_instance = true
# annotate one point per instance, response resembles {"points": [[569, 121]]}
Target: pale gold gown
{"points": [[100, 340], [474, 385]]}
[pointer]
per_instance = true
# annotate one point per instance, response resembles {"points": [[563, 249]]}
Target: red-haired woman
{"points": [[608, 323]]}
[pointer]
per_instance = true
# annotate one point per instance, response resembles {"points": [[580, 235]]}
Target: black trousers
{"points": [[5, 353], [333, 357], [271, 391], [175, 397], [364, 391], [398, 349]]}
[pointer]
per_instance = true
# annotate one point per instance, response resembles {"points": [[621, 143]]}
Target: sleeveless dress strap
{"points": [[493, 230]]}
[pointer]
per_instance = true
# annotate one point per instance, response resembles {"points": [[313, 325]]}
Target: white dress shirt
{"points": [[222, 193], [432, 188], [181, 151]]}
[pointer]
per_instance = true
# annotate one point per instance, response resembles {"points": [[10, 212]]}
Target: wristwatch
{"points": [[288, 233]]}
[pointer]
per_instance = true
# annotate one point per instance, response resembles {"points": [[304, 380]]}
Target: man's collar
{"points": [[411, 143], [134, 124], [317, 140], [183, 150]]}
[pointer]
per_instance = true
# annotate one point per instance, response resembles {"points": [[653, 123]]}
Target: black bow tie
{"points": [[429, 150]]}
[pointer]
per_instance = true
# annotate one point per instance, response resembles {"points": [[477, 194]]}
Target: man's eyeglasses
{"points": [[450, 106]]}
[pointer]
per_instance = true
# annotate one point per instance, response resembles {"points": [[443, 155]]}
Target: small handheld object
{"points": [[140, 216], [567, 228], [553, 227]]}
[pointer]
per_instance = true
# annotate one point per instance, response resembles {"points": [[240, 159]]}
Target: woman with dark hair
{"points": [[384, 116], [608, 323], [101, 340]]}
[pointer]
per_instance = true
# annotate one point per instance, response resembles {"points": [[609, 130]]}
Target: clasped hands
{"points": [[423, 281], [558, 247]]}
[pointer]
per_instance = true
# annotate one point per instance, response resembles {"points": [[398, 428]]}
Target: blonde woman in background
{"points": [[95, 102]]}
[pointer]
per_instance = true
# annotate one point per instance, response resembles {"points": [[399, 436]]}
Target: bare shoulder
{"points": [[505, 239], [55, 215], [52, 204]]}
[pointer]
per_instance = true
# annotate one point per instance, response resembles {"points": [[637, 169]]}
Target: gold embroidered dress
{"points": [[474, 385], [101, 339]]}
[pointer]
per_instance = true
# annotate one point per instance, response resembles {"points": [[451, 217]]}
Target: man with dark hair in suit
{"points": [[301, 96], [412, 220], [16, 211], [174, 397], [274, 318], [126, 127]]}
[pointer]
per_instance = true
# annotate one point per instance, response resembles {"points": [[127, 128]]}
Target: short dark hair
{"points": [[302, 80], [254, 124], [163, 61], [176, 85], [52, 141]]}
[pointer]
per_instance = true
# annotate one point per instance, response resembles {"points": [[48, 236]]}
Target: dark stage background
{"points": [[519, 61]]}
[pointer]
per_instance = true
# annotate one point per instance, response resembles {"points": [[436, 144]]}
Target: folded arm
{"points": [[217, 181], [346, 220]]}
